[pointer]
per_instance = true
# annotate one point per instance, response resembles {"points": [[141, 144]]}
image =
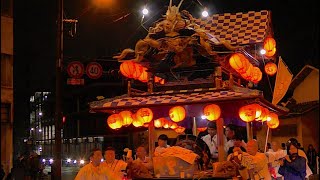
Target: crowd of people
{"points": [[280, 161]]}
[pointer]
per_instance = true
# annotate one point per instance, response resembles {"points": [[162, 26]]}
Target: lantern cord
{"points": [[264, 64], [265, 146]]}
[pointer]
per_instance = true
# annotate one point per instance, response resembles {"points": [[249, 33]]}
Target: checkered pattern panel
{"points": [[168, 99], [237, 28]]}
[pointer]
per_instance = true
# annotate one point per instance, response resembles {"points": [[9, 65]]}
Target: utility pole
{"points": [[58, 113]]}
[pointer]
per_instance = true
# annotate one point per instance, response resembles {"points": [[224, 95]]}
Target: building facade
{"points": [[6, 84]]}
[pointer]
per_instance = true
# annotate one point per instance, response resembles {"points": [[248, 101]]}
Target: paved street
{"points": [[68, 173]]}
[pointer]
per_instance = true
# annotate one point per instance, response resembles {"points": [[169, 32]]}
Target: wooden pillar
{"points": [[220, 132], [249, 131], [218, 77], [150, 82], [151, 139], [129, 87], [230, 80]]}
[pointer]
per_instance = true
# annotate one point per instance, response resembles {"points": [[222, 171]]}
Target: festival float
{"points": [[194, 67]]}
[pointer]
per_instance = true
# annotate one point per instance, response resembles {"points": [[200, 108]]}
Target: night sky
{"points": [[101, 33]]}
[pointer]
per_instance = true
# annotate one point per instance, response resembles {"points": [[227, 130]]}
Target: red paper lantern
{"points": [[271, 53], [248, 74], [270, 46], [145, 115], [130, 69], [270, 68], [239, 62], [256, 75], [247, 113], [177, 113], [158, 123], [273, 120], [114, 121], [212, 112], [126, 117], [136, 122]]}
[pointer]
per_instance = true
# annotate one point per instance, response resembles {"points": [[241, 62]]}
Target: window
{"points": [[5, 113], [6, 70]]}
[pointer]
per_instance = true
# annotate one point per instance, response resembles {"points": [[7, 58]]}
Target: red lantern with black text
{"points": [[247, 113], [114, 121], [270, 46], [270, 68], [145, 115], [212, 112]]}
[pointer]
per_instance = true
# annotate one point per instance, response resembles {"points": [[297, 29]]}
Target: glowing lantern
{"points": [[256, 75], [270, 46], [126, 117], [145, 115], [114, 121], [263, 116], [247, 113], [136, 122], [249, 73], [167, 124], [273, 120], [177, 113], [130, 69], [270, 68], [144, 75], [271, 53], [158, 123], [201, 129], [180, 129], [212, 112], [174, 126], [239, 62]]}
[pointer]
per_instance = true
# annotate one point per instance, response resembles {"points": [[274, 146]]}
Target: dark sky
{"points": [[100, 33], [105, 31]]}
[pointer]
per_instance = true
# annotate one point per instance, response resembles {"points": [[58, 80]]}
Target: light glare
{"points": [[262, 51], [205, 13], [145, 11]]}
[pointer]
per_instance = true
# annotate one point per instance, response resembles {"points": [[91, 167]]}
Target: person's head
{"points": [[275, 146], [292, 148], [212, 128], [162, 140], [141, 152], [110, 154], [269, 145], [230, 131], [238, 141], [310, 147], [252, 147], [95, 156], [283, 145]]}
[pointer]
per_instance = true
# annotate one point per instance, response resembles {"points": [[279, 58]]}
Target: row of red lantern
{"points": [[145, 115], [133, 70], [163, 122], [125, 118], [242, 65], [256, 112]]}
